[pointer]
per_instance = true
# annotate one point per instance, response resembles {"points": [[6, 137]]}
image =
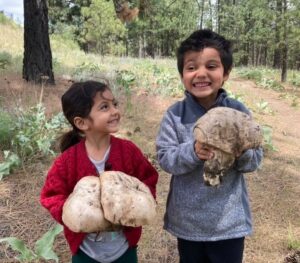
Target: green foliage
{"points": [[43, 246], [4, 20], [33, 137], [169, 85], [6, 129], [263, 77], [295, 78], [35, 133], [270, 84], [268, 142], [11, 161], [5, 59], [126, 79], [86, 70], [263, 107], [250, 73], [102, 31], [293, 242], [235, 96]]}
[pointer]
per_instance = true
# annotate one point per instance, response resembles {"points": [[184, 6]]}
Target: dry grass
{"points": [[274, 190]]}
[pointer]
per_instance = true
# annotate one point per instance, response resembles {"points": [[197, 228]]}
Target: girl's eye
{"points": [[104, 107], [116, 104]]}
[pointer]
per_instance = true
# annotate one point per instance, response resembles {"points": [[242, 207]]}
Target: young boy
{"points": [[210, 223]]}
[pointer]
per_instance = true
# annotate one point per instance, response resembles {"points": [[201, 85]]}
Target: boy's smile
{"points": [[203, 75]]}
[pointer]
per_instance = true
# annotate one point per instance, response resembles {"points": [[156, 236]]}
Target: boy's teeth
{"points": [[201, 84]]}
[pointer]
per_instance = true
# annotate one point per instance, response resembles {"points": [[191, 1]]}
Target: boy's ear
{"points": [[80, 123], [226, 76]]}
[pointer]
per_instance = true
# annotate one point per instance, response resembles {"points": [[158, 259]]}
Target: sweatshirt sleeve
{"points": [[249, 161], [175, 157], [55, 191]]}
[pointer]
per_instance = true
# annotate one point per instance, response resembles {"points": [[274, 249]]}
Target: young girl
{"points": [[89, 149]]}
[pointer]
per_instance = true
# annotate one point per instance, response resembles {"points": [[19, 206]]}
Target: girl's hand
{"points": [[203, 151]]}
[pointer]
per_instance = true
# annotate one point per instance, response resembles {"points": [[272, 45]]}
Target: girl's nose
{"points": [[115, 111]]}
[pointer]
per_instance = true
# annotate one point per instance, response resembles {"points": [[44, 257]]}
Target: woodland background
{"points": [[133, 45]]}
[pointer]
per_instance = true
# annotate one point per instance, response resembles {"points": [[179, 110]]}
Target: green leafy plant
{"points": [[7, 123], [268, 83], [86, 70], [5, 59], [238, 97], [43, 246], [11, 161], [268, 142], [250, 73], [35, 133], [263, 107], [33, 136], [293, 242], [126, 79]]}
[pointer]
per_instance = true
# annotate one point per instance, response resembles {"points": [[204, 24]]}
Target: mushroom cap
{"points": [[229, 130], [126, 200], [82, 211]]}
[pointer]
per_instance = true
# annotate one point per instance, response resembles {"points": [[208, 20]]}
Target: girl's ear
{"points": [[81, 123]]}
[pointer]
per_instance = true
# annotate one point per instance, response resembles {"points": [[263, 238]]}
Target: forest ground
{"points": [[274, 189]]}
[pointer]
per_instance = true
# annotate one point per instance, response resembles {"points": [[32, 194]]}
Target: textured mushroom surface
{"points": [[229, 133], [126, 200], [82, 211]]}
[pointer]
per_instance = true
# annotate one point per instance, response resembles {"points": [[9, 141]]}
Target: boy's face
{"points": [[203, 75]]}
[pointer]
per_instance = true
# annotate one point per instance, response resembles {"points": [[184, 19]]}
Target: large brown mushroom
{"points": [[229, 133]]}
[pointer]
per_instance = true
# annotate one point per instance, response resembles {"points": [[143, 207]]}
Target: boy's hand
{"points": [[203, 151]]}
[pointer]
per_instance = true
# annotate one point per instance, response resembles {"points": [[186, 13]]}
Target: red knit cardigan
{"points": [[73, 164]]}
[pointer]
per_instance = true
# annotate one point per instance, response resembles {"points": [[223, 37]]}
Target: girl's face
{"points": [[105, 115], [203, 75]]}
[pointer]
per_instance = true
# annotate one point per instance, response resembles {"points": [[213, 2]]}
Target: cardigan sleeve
{"points": [[144, 170], [55, 190]]}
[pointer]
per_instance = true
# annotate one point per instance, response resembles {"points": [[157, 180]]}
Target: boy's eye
{"points": [[211, 66], [190, 67]]}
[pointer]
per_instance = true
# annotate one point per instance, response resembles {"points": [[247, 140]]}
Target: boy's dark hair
{"points": [[204, 38], [78, 101]]}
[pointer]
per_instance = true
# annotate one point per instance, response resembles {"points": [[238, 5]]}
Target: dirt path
{"points": [[275, 189]]}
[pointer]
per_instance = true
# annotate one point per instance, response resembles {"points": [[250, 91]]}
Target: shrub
{"points": [[5, 59]]}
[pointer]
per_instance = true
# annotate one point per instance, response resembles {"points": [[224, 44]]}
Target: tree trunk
{"points": [[285, 44], [202, 14], [277, 51], [37, 61]]}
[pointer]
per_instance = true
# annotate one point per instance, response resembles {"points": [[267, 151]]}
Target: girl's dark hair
{"points": [[78, 101], [204, 38]]}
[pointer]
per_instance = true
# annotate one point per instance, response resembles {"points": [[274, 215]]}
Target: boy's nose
{"points": [[200, 72]]}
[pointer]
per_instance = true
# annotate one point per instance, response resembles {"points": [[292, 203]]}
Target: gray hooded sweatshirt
{"points": [[195, 211]]}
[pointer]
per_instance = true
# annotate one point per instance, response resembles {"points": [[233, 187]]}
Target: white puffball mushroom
{"points": [[126, 200], [82, 211]]}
